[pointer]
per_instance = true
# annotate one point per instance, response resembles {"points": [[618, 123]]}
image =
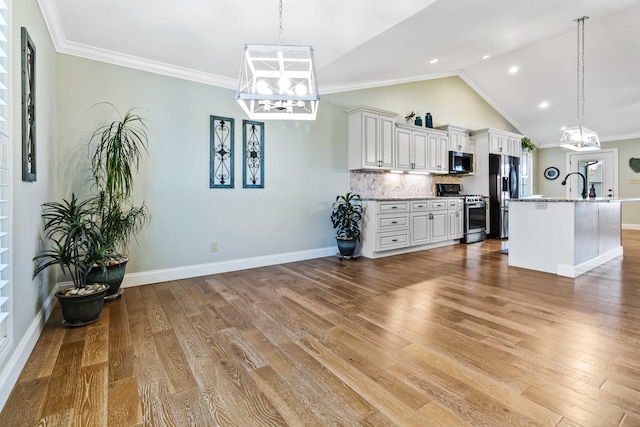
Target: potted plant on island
{"points": [[347, 217], [76, 245], [118, 148]]}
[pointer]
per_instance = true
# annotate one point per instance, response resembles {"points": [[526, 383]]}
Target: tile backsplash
{"points": [[371, 184]]}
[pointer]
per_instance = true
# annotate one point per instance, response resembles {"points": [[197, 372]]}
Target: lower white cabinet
{"points": [[455, 224], [398, 226]]}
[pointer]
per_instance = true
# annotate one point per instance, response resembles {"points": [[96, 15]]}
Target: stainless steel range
{"points": [[475, 211]]}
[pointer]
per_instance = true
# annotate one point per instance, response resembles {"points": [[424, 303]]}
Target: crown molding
{"points": [[337, 88]]}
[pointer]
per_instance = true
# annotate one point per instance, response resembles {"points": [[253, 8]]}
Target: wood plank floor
{"points": [[447, 337]]}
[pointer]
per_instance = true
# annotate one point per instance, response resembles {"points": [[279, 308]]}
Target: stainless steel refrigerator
{"points": [[504, 181]]}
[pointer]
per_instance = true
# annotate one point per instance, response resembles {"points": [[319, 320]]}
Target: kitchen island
{"points": [[567, 237]]}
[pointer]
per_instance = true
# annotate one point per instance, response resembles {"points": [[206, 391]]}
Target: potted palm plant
{"points": [[118, 148], [347, 217], [75, 245]]}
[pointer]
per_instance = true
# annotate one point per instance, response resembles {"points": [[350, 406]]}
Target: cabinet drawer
{"points": [[438, 204], [391, 207], [422, 205], [386, 241], [392, 222], [454, 204]]}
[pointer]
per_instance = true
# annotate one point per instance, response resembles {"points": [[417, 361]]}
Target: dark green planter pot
{"points": [[112, 276], [347, 247], [81, 310]]}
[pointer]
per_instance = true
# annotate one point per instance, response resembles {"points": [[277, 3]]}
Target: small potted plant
{"points": [[75, 245], [527, 145], [347, 217]]}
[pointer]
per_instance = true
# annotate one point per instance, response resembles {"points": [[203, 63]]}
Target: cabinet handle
{"points": [[394, 222], [394, 240], [394, 207]]}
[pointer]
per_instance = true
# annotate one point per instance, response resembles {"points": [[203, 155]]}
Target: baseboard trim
{"points": [[177, 273], [631, 226], [574, 271], [18, 360]]}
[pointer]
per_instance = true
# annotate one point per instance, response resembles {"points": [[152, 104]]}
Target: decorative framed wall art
{"points": [[253, 154], [221, 152], [28, 67]]}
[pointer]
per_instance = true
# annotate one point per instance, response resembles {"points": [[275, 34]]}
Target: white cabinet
{"points": [[458, 138], [411, 149], [455, 212], [371, 135], [438, 143], [393, 227], [500, 143], [438, 220]]}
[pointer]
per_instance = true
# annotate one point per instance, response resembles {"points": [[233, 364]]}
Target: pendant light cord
{"points": [[580, 103], [281, 30]]}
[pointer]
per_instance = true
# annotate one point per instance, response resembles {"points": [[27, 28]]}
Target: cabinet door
{"points": [[464, 141], [420, 152], [438, 227], [452, 232], [386, 142], [370, 139], [495, 144], [438, 151], [515, 147], [460, 223], [420, 224], [443, 153], [454, 141], [403, 149]]}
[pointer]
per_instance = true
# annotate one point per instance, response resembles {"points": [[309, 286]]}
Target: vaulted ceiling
{"points": [[368, 43]]}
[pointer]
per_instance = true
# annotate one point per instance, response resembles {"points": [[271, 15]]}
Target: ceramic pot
{"points": [[347, 247], [80, 310], [112, 276]]}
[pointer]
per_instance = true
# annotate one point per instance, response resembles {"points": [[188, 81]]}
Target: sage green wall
{"points": [[626, 187], [27, 296], [305, 168], [449, 100]]}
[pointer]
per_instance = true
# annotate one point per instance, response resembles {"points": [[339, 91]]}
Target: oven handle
{"points": [[476, 205]]}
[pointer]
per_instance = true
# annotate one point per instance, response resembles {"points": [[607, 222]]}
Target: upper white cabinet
{"points": [[411, 149], [458, 138], [503, 143], [438, 144], [371, 135]]}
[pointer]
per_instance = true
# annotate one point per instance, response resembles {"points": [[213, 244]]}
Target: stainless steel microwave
{"points": [[460, 162]]}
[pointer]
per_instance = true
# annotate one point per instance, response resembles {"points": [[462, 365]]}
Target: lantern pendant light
{"points": [[278, 82]]}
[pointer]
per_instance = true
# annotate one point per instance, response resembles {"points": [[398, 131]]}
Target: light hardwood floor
{"points": [[446, 337]]}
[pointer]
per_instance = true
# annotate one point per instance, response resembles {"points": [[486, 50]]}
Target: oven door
{"points": [[475, 222]]}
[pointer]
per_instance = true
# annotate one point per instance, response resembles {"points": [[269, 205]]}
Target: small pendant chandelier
{"points": [[278, 82], [580, 138]]}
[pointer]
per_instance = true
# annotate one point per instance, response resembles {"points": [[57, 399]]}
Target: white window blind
{"points": [[5, 181]]}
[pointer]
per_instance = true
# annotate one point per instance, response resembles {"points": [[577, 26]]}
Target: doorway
{"points": [[600, 168]]}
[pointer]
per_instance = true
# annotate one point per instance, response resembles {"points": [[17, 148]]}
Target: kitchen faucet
{"points": [[584, 183]]}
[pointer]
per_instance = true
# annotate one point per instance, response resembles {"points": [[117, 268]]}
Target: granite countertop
{"points": [[399, 199], [579, 200]]}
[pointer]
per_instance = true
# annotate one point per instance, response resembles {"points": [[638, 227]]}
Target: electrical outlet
{"points": [[214, 246]]}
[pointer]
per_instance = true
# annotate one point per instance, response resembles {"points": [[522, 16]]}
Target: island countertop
{"points": [[578, 200]]}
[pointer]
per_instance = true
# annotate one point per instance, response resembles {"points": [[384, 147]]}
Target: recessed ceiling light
{"points": [[486, 57], [513, 70], [433, 61], [544, 104]]}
